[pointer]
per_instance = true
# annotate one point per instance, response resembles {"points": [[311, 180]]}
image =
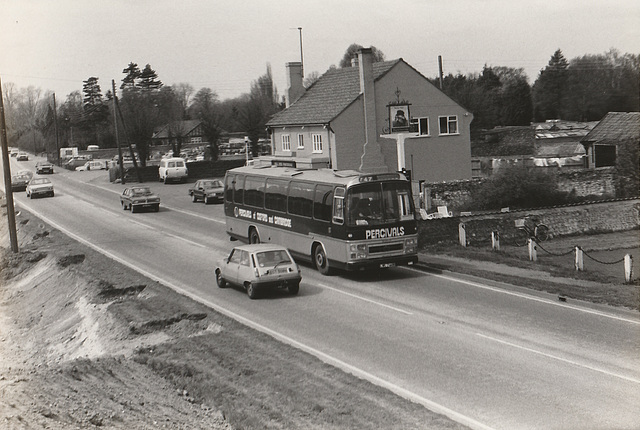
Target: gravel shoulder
{"points": [[86, 342]]}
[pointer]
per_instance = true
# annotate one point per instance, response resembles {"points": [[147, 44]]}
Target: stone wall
{"points": [[596, 217]]}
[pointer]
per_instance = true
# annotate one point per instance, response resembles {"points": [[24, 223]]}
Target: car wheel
{"points": [[166, 180], [294, 288], [206, 200], [320, 260], [254, 237], [194, 198], [52, 193], [133, 208], [124, 207], [220, 280], [251, 290], [156, 208]]}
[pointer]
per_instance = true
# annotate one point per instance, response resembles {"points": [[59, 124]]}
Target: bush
{"points": [[518, 187]]}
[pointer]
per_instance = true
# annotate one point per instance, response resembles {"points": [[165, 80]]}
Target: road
{"points": [[488, 355]]}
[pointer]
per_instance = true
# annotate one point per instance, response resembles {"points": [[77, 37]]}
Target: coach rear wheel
{"points": [[254, 237]]}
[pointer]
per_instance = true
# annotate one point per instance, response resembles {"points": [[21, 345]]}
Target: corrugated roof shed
{"points": [[328, 96], [187, 126], [615, 127]]}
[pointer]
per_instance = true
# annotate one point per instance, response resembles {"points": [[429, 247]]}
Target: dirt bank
{"points": [[85, 342]]}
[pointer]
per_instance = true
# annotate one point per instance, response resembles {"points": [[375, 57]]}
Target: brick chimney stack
{"points": [[372, 159], [295, 89]]}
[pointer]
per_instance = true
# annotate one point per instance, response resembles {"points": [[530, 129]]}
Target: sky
{"points": [[225, 45]]}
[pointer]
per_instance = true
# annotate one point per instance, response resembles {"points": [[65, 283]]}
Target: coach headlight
{"points": [[410, 245], [357, 251]]}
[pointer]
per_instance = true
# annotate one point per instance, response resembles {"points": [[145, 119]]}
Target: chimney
{"points": [[294, 79], [371, 159]]}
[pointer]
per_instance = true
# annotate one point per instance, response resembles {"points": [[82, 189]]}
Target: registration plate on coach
{"points": [[385, 265]]}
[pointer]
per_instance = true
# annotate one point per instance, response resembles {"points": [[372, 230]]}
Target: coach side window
{"points": [[238, 194], [301, 198], [228, 188], [322, 202], [254, 191], [338, 206], [275, 197]]}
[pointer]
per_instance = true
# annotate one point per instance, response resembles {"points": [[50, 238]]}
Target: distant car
{"points": [[22, 156], [74, 162], [207, 190], [257, 267], [139, 197], [39, 187], [19, 182], [27, 173], [14, 152], [44, 167], [92, 165]]}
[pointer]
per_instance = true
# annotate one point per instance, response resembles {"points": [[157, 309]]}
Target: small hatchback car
{"points": [[44, 167], [139, 197], [207, 190], [257, 267], [39, 187]]}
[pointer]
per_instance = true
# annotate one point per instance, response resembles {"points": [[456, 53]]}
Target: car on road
{"points": [[207, 190], [139, 197], [172, 169], [22, 156], [19, 182], [44, 167], [257, 267], [25, 172], [14, 152], [92, 165], [39, 187]]}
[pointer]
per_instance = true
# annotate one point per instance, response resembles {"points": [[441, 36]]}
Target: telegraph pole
{"points": [[115, 125], [6, 169], [301, 57], [440, 69], [55, 122]]}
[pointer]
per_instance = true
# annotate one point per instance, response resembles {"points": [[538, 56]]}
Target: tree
{"points": [[206, 108], [95, 119], [132, 73], [352, 51], [549, 88], [311, 79]]}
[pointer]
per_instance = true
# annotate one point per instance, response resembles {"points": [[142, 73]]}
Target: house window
{"points": [[317, 143], [423, 126], [301, 141], [286, 142], [448, 124], [196, 140], [604, 155]]}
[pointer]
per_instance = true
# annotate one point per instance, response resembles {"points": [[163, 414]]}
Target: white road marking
{"points": [[555, 357], [365, 299], [402, 392], [530, 297]]}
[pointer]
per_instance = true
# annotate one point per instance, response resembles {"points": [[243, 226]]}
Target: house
{"points": [[602, 144], [372, 117], [190, 131]]}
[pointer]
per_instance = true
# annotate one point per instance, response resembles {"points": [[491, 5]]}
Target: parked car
{"points": [[74, 162], [44, 167], [207, 190], [92, 165], [19, 182], [257, 267], [139, 197], [172, 169], [14, 152], [22, 156], [39, 187]]}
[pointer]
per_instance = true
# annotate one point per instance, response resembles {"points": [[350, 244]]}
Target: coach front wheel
{"points": [[320, 260], [254, 237]]}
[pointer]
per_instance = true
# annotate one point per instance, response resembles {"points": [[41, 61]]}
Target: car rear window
{"points": [[271, 258]]}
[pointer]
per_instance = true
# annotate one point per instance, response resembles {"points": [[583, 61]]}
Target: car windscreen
{"points": [[39, 181], [272, 258], [141, 192]]}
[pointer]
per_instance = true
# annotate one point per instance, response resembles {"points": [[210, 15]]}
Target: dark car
{"points": [[39, 187], [22, 156], [207, 190], [44, 167], [259, 266], [19, 182], [139, 197]]}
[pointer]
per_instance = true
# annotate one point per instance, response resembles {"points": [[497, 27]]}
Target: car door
{"points": [[244, 268], [230, 271], [198, 190]]}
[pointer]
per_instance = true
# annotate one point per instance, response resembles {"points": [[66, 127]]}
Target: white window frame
{"points": [[286, 142], [317, 143], [300, 141], [451, 119], [420, 133]]}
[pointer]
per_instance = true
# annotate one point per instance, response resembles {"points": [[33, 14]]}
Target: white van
{"points": [[172, 169]]}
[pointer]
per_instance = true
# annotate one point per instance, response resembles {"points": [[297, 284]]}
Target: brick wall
{"points": [[597, 217]]}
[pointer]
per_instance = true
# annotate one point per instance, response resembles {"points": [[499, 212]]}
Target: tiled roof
{"points": [[615, 127], [187, 126], [563, 129], [328, 96]]}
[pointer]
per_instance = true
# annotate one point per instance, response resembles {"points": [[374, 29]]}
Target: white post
{"points": [[579, 262], [246, 150], [628, 267], [462, 234], [495, 240], [533, 250]]}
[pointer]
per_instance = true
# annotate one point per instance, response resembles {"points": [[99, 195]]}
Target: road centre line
{"points": [[365, 299], [564, 360], [530, 297], [166, 206], [402, 392]]}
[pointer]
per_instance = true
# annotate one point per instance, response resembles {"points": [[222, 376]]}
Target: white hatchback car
{"points": [[172, 169], [259, 266]]}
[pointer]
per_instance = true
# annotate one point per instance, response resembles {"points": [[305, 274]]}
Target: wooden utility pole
{"points": [[6, 169], [440, 69], [55, 122], [115, 125]]}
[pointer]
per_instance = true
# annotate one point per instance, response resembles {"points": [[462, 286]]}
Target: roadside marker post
{"points": [[462, 234], [495, 240], [628, 267], [579, 261], [533, 250]]}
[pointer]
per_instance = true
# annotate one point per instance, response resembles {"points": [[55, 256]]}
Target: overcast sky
{"points": [[226, 44]]}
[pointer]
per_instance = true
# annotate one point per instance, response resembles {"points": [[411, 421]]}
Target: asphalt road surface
{"points": [[488, 355]]}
